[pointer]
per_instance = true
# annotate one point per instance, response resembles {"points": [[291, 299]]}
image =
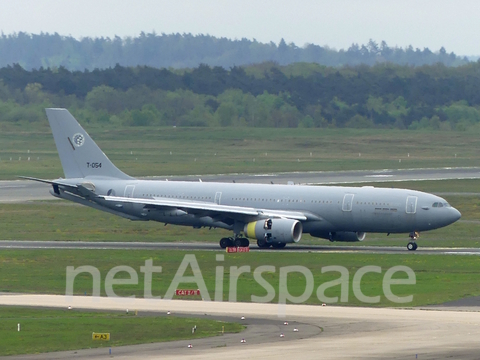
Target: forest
{"points": [[179, 51], [263, 95]]}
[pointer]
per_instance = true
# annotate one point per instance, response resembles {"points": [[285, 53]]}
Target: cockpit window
{"points": [[439, 204]]}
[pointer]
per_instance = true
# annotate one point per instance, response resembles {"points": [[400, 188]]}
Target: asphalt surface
{"points": [[14, 191], [24, 244], [23, 190]]}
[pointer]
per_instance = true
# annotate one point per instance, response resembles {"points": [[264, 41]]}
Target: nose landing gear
{"points": [[412, 245]]}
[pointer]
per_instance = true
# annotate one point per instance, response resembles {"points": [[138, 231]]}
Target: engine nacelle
{"points": [[348, 236], [275, 230]]}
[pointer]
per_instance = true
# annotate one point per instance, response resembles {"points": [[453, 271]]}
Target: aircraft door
{"points": [[411, 207], [129, 191], [347, 202], [218, 197]]}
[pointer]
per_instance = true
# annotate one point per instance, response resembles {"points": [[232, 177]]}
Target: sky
{"points": [[454, 25]]}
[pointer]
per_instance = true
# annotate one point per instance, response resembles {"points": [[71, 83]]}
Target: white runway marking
{"points": [[378, 176]]}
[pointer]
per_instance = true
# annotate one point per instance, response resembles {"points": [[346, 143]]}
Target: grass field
{"points": [[168, 151], [46, 330], [439, 278]]}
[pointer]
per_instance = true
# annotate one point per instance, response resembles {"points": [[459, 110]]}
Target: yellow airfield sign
{"points": [[101, 336]]}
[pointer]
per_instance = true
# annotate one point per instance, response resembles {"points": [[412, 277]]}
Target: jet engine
{"points": [[348, 236], [275, 230]]}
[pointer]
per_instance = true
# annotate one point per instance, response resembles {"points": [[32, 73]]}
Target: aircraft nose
{"points": [[455, 214]]}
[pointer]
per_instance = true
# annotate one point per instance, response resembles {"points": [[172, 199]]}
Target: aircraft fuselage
{"points": [[328, 208]]}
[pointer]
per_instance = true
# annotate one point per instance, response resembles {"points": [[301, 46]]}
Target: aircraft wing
{"points": [[199, 208]]}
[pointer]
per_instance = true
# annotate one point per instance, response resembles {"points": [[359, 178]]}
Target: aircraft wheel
{"points": [[278, 245], [411, 246], [238, 242], [245, 242], [415, 246], [224, 243], [262, 244]]}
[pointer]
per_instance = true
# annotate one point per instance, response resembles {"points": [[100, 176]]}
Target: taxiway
{"points": [[341, 332], [160, 246]]}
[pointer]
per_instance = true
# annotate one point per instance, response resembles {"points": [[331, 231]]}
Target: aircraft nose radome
{"points": [[455, 214], [451, 216]]}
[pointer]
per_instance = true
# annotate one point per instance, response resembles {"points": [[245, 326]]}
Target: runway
{"points": [[15, 191], [103, 245], [330, 332], [339, 177], [22, 190]]}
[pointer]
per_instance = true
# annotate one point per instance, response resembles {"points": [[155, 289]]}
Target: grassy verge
{"points": [[167, 151], [45, 330], [439, 278]]}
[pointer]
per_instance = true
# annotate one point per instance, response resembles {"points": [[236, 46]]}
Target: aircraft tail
{"points": [[79, 155]]}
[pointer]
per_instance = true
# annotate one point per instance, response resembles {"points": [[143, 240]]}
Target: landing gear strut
{"points": [[412, 245]]}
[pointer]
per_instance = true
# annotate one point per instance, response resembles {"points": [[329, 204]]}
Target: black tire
{"points": [[245, 242], [238, 242], [224, 243], [278, 245], [262, 244], [415, 246], [231, 242], [411, 246]]}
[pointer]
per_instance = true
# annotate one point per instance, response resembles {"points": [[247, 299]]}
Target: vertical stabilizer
{"points": [[79, 154]]}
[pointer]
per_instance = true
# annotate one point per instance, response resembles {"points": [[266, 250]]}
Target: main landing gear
{"points": [[244, 242], [234, 242], [412, 245], [262, 244]]}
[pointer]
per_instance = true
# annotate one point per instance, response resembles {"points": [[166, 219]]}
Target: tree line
{"points": [[34, 51], [263, 95]]}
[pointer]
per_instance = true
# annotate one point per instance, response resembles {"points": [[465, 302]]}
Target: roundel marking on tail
{"points": [[78, 139]]}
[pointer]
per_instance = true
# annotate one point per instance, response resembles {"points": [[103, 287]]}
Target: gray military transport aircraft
{"points": [[274, 215]]}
